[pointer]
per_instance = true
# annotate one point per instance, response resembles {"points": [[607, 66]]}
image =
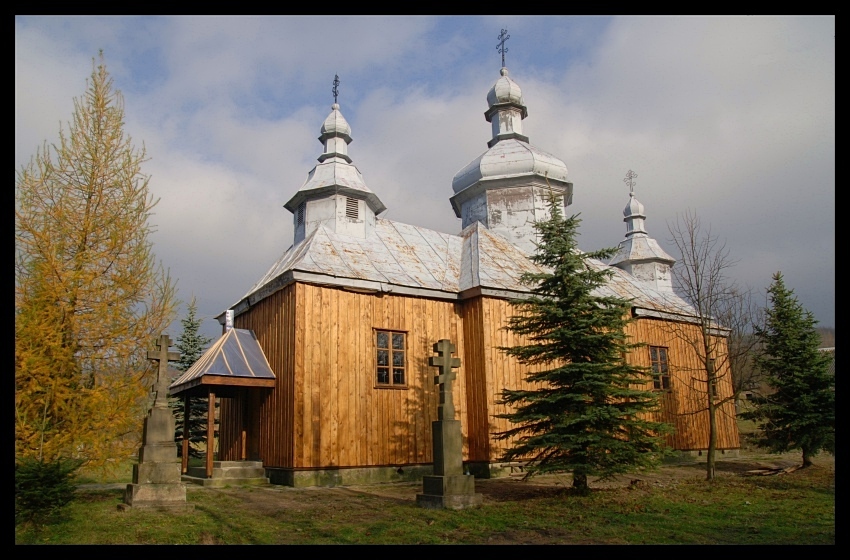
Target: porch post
{"points": [[244, 398], [210, 432], [185, 463]]}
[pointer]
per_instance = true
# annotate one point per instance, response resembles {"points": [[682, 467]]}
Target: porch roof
{"points": [[234, 360]]}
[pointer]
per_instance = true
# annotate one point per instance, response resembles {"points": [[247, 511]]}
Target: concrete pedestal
{"points": [[448, 487], [156, 479], [451, 492]]}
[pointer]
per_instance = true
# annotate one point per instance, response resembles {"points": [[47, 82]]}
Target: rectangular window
{"points": [[390, 347], [660, 371]]}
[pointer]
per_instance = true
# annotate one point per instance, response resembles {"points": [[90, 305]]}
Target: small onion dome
{"points": [[505, 90], [335, 125], [510, 159], [634, 208]]}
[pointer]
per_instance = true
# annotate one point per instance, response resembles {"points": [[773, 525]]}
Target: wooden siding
{"points": [[326, 411], [477, 397], [490, 371], [684, 405], [273, 322], [345, 420], [229, 431], [485, 319]]}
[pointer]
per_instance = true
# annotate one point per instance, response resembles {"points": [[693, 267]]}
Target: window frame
{"points": [[390, 367], [660, 368]]}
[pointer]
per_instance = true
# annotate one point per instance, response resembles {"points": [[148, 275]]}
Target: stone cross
{"points": [[162, 355], [503, 36], [444, 348]]}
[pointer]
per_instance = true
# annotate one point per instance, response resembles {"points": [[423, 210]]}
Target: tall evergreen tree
{"points": [[191, 344], [90, 297], [799, 413], [589, 411]]}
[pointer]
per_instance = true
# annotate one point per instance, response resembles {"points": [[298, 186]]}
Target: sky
{"points": [[730, 118]]}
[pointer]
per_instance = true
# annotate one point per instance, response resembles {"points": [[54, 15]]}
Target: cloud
{"points": [[733, 117]]}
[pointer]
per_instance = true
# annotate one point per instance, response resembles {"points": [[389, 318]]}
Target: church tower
{"points": [[508, 187], [639, 254], [334, 195]]}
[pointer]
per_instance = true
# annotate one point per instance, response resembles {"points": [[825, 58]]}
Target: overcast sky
{"points": [[730, 117]]}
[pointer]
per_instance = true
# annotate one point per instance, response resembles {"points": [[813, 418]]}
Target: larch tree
{"points": [[589, 410], [191, 344], [799, 410], [90, 298]]}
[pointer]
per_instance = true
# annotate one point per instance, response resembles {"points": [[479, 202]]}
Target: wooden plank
{"points": [[344, 359], [330, 380], [230, 381], [317, 367], [299, 388]]}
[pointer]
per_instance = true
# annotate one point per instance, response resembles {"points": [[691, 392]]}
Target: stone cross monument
{"points": [[448, 487], [156, 479]]}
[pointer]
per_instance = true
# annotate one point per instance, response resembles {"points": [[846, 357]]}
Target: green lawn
{"points": [[795, 508]]}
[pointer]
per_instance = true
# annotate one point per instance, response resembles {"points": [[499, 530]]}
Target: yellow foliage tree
{"points": [[89, 296]]}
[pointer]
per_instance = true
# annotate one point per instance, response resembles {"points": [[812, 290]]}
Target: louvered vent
{"points": [[352, 209], [300, 219]]}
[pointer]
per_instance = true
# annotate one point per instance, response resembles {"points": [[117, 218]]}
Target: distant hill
{"points": [[827, 336]]}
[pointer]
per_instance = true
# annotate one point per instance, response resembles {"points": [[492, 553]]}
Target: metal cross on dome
{"points": [[629, 180], [336, 87], [503, 36]]}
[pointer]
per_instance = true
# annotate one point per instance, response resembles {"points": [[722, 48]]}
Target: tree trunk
{"points": [[712, 440], [580, 483], [807, 457], [712, 421]]}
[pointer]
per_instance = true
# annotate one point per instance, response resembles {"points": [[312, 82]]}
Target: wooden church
{"points": [[347, 317]]}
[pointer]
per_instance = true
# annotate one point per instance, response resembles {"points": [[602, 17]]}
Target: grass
{"points": [[119, 472], [798, 508]]}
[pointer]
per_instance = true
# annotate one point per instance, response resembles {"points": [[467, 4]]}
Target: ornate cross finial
{"points": [[503, 36], [163, 356], [629, 180], [444, 348], [336, 87]]}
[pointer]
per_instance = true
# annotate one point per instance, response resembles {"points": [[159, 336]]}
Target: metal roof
{"points": [[510, 158], [232, 359], [409, 259]]}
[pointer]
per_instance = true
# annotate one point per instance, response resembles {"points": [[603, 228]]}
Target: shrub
{"points": [[43, 488]]}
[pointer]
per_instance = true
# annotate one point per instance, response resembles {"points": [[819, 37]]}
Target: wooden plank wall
{"points": [[684, 405], [273, 321], [341, 418], [475, 368], [230, 428], [326, 411], [493, 371], [500, 370]]}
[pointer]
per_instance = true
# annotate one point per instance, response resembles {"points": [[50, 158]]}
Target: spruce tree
{"points": [[589, 411], [799, 411], [191, 345]]}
